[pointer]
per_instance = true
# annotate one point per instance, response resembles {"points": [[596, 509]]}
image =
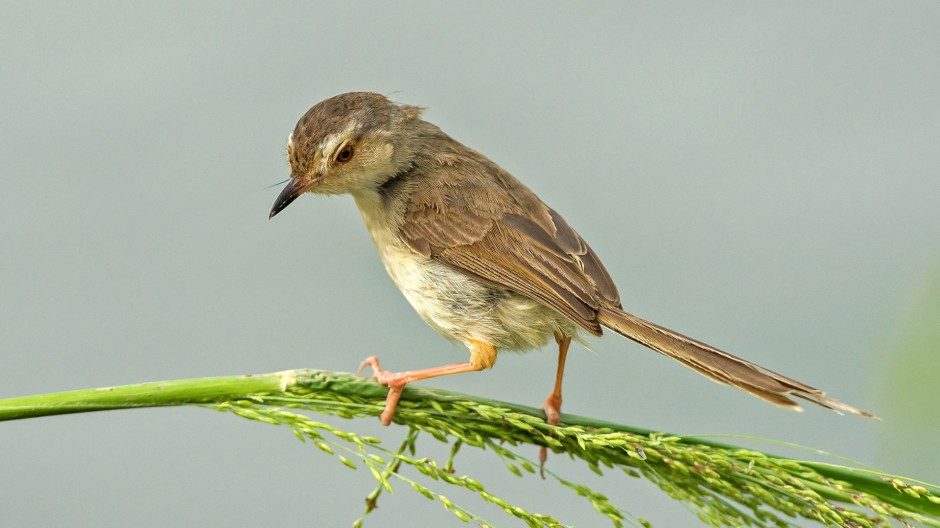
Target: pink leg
{"points": [[482, 355], [552, 405]]}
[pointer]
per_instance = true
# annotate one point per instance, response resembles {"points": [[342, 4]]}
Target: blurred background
{"points": [[762, 176]]}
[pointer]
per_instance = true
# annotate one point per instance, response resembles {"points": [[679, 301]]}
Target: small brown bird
{"points": [[477, 254]]}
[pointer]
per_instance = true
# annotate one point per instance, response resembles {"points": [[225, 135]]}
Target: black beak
{"points": [[295, 188]]}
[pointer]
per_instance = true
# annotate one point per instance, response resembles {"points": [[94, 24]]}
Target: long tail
{"points": [[720, 366]]}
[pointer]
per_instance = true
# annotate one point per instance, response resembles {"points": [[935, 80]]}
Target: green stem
{"points": [[155, 394], [304, 381]]}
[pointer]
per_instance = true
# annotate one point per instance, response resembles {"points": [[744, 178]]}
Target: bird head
{"points": [[347, 144]]}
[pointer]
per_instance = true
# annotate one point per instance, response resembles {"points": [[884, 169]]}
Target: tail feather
{"points": [[720, 366]]}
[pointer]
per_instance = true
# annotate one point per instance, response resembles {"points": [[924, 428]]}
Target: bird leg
{"points": [[482, 356], [552, 405]]}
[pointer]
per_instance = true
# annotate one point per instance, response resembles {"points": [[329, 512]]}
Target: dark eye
{"points": [[345, 154]]}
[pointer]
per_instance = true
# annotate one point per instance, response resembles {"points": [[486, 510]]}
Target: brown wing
{"points": [[473, 216]]}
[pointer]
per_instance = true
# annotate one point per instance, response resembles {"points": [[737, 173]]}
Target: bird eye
{"points": [[345, 154]]}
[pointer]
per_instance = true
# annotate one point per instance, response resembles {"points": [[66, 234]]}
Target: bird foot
{"points": [[395, 381], [390, 379], [552, 408]]}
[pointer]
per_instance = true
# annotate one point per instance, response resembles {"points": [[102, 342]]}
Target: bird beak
{"points": [[295, 188]]}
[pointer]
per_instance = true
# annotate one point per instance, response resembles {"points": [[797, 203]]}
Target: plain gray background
{"points": [[762, 176]]}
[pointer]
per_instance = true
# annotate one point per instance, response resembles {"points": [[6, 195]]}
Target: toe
{"points": [[371, 361], [552, 408], [391, 379]]}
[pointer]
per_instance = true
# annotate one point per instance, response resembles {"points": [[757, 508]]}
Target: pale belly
{"points": [[460, 308], [463, 309]]}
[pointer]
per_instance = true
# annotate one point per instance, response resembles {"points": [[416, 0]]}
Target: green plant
{"points": [[726, 485]]}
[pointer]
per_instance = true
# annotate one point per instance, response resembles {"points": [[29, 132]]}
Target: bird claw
{"points": [[394, 382], [552, 408], [390, 379], [373, 362]]}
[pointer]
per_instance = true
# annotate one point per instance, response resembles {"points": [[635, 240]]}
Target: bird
{"points": [[483, 260]]}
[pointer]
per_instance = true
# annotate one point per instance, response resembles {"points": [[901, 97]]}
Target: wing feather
{"points": [[478, 219]]}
